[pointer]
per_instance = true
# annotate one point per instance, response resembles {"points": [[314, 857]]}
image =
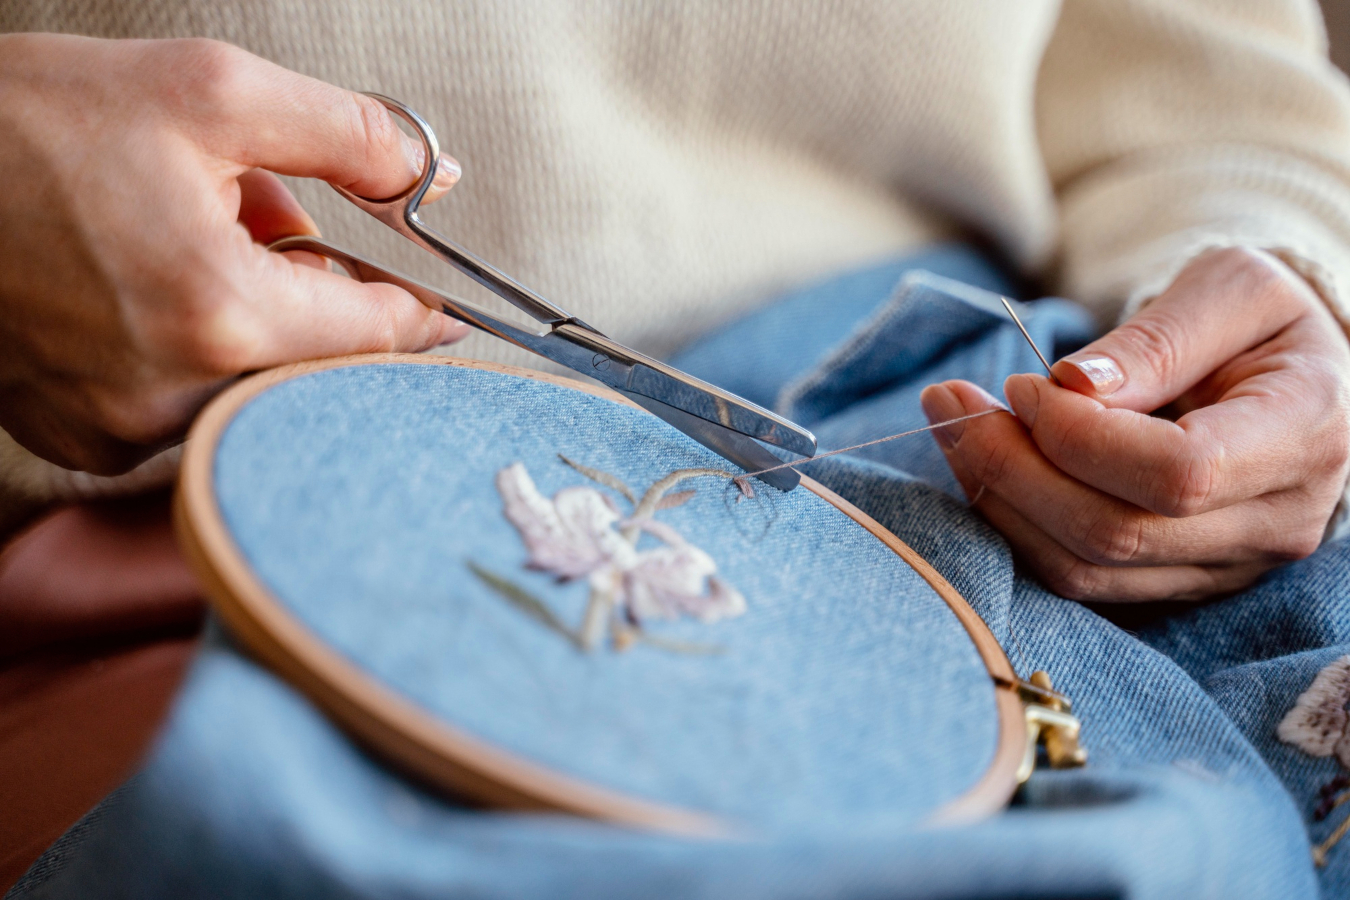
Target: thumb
{"points": [[1223, 303], [260, 115]]}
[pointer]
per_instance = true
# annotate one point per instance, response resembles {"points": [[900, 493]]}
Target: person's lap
{"points": [[250, 792], [98, 619]]}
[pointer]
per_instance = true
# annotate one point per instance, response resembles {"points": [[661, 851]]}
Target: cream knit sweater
{"points": [[657, 167]]}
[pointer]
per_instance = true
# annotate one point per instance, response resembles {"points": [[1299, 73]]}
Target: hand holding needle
{"points": [[1106, 502]]}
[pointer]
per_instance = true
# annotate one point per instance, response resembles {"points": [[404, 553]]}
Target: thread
{"points": [[1319, 852], [743, 483], [742, 480]]}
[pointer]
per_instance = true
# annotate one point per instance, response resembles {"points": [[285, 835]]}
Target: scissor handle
{"points": [[400, 213], [396, 211]]}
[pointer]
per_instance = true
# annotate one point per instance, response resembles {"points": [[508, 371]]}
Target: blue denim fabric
{"points": [[1255, 652], [252, 793], [805, 719], [860, 379]]}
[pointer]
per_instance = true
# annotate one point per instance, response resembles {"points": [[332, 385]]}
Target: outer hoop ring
{"points": [[441, 755]]}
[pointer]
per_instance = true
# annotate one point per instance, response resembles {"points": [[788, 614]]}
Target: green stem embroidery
{"points": [[575, 542], [603, 478], [598, 608], [526, 603], [647, 506]]}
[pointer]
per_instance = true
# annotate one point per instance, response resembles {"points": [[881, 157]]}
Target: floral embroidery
{"points": [[1317, 725], [581, 533]]}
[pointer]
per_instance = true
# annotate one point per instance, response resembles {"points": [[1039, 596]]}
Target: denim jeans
{"points": [[251, 792]]}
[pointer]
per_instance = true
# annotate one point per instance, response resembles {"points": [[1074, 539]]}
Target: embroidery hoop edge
{"points": [[441, 755]]}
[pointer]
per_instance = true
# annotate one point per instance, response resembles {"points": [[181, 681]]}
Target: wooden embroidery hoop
{"points": [[441, 755]]}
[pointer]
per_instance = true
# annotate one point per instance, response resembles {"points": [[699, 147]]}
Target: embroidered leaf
{"points": [[1317, 722], [525, 602], [603, 478], [648, 504], [679, 498]]}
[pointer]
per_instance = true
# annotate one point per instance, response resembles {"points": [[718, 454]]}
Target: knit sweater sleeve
{"points": [[1172, 126]]}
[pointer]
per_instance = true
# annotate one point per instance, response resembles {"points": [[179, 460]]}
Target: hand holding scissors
{"points": [[717, 419]]}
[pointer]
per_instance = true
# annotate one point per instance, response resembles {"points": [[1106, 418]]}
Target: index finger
{"points": [[1255, 441], [1222, 304], [260, 115]]}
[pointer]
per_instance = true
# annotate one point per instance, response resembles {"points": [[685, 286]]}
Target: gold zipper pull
{"points": [[1051, 724]]}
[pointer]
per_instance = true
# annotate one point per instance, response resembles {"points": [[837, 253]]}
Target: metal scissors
{"points": [[724, 423]]}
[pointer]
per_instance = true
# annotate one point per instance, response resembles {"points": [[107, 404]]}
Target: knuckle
{"points": [[214, 334], [380, 330], [1153, 338], [398, 322], [1264, 275], [994, 462], [1254, 265], [210, 73], [1114, 539], [1261, 271], [1075, 579], [1335, 444], [373, 130], [1186, 486], [1301, 544], [385, 337], [1069, 439], [127, 417], [221, 345]]}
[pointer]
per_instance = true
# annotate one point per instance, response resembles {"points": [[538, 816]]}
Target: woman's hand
{"points": [[135, 195], [1106, 502]]}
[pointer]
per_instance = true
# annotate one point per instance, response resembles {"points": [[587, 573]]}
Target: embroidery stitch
{"points": [[581, 533], [1317, 725]]}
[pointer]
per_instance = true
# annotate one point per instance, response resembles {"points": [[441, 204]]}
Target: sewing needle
{"points": [[1037, 350]]}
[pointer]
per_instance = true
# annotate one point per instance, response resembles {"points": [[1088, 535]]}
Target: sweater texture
{"points": [[657, 168]]}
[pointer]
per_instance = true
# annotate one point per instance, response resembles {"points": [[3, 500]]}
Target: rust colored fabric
{"points": [[98, 623]]}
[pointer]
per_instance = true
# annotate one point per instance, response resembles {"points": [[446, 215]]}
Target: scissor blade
{"points": [[715, 418], [726, 443], [547, 344], [627, 370]]}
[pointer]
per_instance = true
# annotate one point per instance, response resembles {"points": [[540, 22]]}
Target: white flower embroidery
{"points": [[669, 581], [570, 536], [1317, 723], [581, 534]]}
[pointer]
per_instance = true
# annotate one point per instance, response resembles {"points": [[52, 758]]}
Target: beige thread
{"points": [[1319, 853], [741, 479]]}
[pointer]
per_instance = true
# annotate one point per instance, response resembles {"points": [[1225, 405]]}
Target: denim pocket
{"points": [[931, 328]]}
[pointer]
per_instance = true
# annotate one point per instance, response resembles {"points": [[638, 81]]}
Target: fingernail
{"points": [[1023, 398], [447, 175], [1103, 371], [939, 404], [451, 332], [413, 154]]}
